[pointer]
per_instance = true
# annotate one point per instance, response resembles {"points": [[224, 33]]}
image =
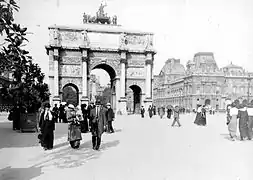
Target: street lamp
{"points": [[248, 78]]}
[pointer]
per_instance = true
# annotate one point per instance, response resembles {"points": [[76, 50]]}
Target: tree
{"points": [[27, 87]]}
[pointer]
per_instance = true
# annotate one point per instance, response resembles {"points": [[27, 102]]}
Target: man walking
{"points": [[109, 117], [98, 120], [176, 117]]}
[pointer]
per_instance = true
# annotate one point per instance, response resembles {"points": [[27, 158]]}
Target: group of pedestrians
{"points": [[241, 114], [171, 111], [96, 119]]}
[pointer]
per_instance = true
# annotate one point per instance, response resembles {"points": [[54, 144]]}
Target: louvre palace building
{"points": [[201, 82]]}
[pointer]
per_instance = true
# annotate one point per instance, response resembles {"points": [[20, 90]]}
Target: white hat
{"points": [[71, 106], [108, 104]]}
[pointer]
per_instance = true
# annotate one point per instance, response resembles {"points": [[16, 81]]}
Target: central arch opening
{"points": [[70, 94], [135, 104], [102, 84]]}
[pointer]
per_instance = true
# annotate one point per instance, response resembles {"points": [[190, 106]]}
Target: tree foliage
{"points": [[27, 87]]}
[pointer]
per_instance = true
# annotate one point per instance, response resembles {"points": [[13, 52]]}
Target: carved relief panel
{"points": [[70, 70], [135, 73], [70, 60], [71, 38], [137, 60]]}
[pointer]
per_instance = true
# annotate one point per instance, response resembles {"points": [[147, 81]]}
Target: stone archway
{"points": [[113, 80], [136, 99], [70, 94]]}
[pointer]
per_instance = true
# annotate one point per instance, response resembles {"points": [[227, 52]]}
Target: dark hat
{"points": [[98, 102], [47, 105]]}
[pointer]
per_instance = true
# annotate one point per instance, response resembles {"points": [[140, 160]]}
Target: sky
{"points": [[181, 27]]}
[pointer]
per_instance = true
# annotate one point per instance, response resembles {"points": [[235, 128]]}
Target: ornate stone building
{"points": [[202, 82], [126, 55]]}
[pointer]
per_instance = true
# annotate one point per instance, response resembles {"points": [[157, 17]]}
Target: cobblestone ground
{"points": [[146, 148]]}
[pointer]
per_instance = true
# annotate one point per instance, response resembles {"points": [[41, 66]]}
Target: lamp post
{"points": [[248, 78]]}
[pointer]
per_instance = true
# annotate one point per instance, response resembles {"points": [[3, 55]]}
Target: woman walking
{"points": [[198, 115], [232, 121], [243, 121], [47, 127], [74, 127], [150, 111]]}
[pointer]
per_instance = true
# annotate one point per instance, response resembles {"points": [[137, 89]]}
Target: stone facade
{"points": [[126, 55], [201, 83]]}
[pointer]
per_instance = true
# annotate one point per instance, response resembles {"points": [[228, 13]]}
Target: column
{"points": [[123, 79], [123, 99], [85, 98], [56, 97], [117, 91], [148, 99]]}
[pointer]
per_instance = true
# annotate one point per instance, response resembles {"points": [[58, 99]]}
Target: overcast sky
{"points": [[181, 27]]}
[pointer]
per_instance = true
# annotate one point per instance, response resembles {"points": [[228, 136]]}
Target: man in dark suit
{"points": [[109, 118], [98, 121]]}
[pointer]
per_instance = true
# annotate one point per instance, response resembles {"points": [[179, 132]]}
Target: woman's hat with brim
{"points": [[108, 104], [71, 106]]}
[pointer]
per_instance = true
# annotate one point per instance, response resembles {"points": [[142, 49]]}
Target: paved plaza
{"points": [[146, 148]]}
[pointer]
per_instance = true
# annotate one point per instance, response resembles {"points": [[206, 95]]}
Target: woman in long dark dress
{"points": [[198, 115], [169, 112], [243, 121], [84, 122], [203, 116], [150, 111], [47, 127]]}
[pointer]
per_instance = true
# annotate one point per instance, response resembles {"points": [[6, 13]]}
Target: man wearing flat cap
{"points": [[98, 121], [109, 118]]}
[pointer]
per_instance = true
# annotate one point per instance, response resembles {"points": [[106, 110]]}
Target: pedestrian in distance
{"points": [[142, 111], [176, 117], [232, 121], [150, 111], [250, 122], [243, 121], [110, 116]]}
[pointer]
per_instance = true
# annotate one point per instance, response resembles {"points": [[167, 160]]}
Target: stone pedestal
{"points": [[122, 106]]}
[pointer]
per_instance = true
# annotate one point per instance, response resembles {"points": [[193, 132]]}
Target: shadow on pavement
{"points": [[10, 138], [70, 158], [9, 173]]}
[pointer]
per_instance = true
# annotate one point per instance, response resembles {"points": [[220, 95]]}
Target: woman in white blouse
{"points": [[232, 125]]}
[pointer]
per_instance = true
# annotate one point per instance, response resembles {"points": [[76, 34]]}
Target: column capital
{"points": [[149, 61], [56, 51], [56, 57], [84, 52], [84, 59], [123, 61], [123, 55]]}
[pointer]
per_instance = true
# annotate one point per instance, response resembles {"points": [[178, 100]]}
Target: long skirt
{"points": [[198, 118], [232, 126], [74, 132], [202, 121], [243, 128], [250, 127]]}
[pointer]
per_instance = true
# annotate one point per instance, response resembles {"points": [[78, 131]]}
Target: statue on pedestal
{"points": [[114, 20]]}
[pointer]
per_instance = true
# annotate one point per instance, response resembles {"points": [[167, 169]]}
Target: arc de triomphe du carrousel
{"points": [[99, 43]]}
